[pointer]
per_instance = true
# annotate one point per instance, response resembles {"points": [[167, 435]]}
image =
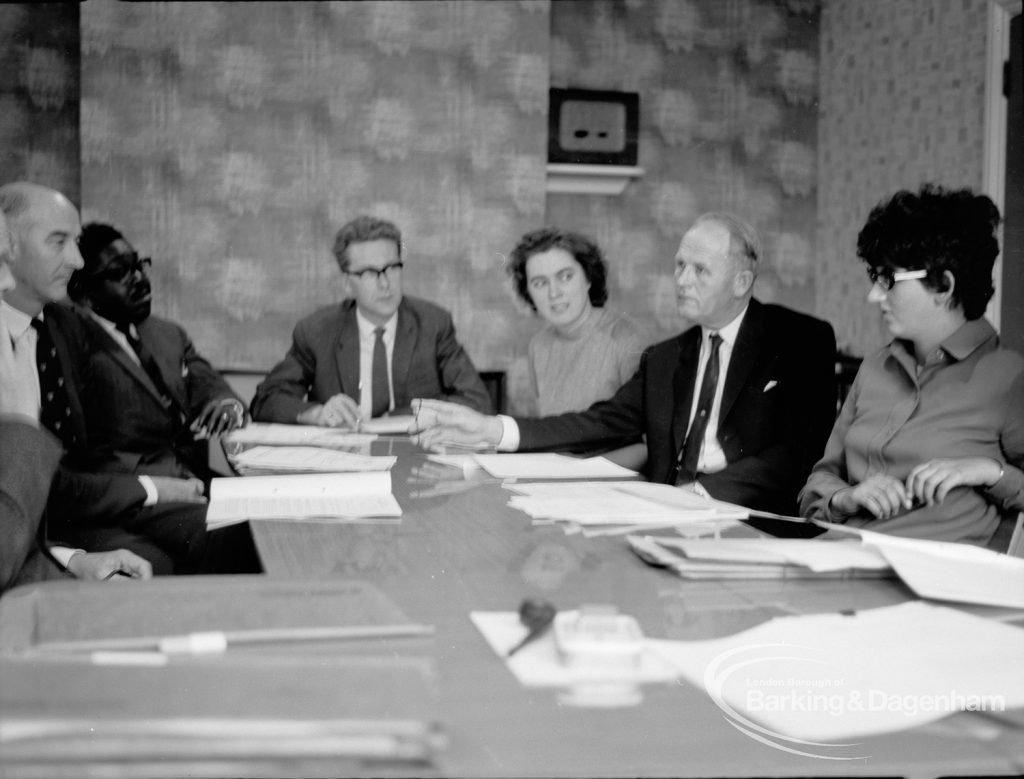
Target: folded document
{"points": [[331, 497]]}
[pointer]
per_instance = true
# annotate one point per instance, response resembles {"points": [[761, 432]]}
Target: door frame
{"points": [[993, 177]]}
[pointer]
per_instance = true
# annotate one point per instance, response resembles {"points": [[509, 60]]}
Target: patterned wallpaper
{"points": [[903, 87], [39, 77], [728, 121], [231, 140]]}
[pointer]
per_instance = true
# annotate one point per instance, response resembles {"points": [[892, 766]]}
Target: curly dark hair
{"points": [[937, 230], [95, 237], [582, 249]]}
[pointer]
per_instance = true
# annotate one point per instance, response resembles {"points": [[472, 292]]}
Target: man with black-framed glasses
{"points": [[372, 354], [151, 400]]}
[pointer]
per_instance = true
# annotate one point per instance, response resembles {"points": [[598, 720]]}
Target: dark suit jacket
{"points": [[128, 427], [778, 407], [28, 461], [77, 494], [428, 362]]}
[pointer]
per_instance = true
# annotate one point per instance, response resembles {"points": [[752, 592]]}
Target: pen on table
{"points": [[537, 616]]}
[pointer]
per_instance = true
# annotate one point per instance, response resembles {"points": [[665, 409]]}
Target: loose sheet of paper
{"points": [[830, 677], [953, 572], [538, 665], [618, 503], [308, 459], [336, 496], [550, 466]]}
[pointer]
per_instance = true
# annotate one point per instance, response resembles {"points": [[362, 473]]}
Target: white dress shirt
{"points": [[23, 341], [712, 458], [119, 338], [367, 339]]}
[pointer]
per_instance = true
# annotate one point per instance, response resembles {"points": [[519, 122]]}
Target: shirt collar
{"points": [[729, 332], [367, 328], [17, 321], [958, 346], [109, 326], [968, 337]]}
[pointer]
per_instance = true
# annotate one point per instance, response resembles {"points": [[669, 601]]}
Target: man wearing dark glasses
{"points": [[161, 518], [151, 400], [373, 353]]}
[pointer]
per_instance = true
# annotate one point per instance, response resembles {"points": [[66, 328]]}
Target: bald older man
{"points": [[738, 406], [163, 519], [29, 459]]}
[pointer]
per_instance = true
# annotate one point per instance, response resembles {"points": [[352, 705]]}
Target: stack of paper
{"points": [[760, 558], [607, 508], [297, 435], [306, 459], [338, 497]]}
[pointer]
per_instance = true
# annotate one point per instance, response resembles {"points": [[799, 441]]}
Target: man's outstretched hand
{"points": [[438, 423]]}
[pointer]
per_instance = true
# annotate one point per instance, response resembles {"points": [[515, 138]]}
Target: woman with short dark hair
{"points": [[585, 352], [930, 440]]}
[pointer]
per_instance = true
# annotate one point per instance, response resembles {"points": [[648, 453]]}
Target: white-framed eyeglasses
{"points": [[886, 278]]}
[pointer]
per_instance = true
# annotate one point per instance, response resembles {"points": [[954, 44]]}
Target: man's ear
{"points": [[742, 282], [346, 286]]}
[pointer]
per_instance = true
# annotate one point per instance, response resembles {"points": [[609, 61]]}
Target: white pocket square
{"points": [[769, 385]]}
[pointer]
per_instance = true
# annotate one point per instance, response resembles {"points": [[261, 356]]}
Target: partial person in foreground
{"points": [[370, 355], [930, 440], [29, 458], [737, 406], [151, 401], [161, 518]]}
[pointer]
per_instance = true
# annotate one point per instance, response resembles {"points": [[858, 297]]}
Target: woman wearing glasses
{"points": [[930, 441]]}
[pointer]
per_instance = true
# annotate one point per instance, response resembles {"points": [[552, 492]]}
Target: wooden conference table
{"points": [[460, 548]]}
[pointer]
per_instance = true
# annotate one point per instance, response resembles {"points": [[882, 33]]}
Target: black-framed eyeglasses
{"points": [[119, 272], [886, 278], [374, 274]]}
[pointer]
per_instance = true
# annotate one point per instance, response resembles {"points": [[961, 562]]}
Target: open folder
{"points": [[340, 497]]}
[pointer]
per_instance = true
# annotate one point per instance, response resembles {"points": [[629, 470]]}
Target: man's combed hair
{"points": [[744, 242], [582, 249], [363, 229], [14, 201], [937, 230]]}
